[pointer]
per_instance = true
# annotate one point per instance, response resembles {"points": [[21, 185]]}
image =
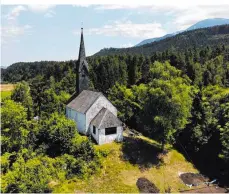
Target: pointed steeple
{"points": [[82, 54], [82, 76]]}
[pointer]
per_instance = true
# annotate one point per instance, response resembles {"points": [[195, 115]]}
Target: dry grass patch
{"points": [[6, 87]]}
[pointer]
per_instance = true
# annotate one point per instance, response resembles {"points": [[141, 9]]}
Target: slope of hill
{"points": [[136, 157], [196, 38], [147, 41], [201, 24]]}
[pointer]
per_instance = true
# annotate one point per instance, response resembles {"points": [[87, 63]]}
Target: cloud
{"points": [[182, 15], [50, 14], [113, 6], [81, 5], [128, 29], [12, 32], [44, 9], [185, 17], [15, 12], [40, 8], [126, 45]]}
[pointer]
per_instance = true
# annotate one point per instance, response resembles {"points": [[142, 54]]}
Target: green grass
{"points": [[128, 161], [5, 94]]}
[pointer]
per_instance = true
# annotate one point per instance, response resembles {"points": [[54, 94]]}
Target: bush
{"points": [[32, 176]]}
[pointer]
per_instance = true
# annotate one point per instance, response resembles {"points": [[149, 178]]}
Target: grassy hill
{"points": [[196, 38], [126, 162]]}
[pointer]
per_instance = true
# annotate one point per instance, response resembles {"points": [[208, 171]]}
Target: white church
{"points": [[93, 113]]}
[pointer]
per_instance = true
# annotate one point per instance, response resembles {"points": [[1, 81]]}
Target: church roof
{"points": [[105, 119], [83, 101]]}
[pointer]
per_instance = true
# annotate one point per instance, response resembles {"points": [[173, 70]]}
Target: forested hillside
{"points": [[177, 97], [199, 38], [201, 24]]}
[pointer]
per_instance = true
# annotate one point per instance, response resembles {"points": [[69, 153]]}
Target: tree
{"points": [[67, 84], [21, 93], [224, 131], [57, 133], [168, 106], [145, 69], [16, 130], [53, 103], [38, 86], [133, 71], [32, 176], [215, 72], [210, 121], [123, 98]]}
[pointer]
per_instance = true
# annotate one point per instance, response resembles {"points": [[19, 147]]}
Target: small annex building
{"points": [[93, 113]]}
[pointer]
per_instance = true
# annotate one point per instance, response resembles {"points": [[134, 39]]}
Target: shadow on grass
{"points": [[140, 152], [206, 160]]}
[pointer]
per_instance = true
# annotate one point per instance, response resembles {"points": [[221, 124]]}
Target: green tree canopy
{"points": [[16, 131], [21, 93]]}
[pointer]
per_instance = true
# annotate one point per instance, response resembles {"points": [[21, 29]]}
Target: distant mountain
{"points": [[201, 24], [209, 23], [156, 39], [211, 36], [3, 67]]}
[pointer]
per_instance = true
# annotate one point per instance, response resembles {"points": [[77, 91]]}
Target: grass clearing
{"points": [[5, 94], [7, 87], [126, 162], [6, 90]]}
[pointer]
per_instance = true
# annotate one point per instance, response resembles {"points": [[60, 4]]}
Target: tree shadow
{"points": [[206, 160], [140, 152]]}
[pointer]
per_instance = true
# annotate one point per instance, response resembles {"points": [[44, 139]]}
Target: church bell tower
{"points": [[82, 79]]}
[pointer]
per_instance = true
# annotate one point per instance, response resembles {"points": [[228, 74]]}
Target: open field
{"points": [[5, 94], [7, 87], [6, 90], [126, 162]]}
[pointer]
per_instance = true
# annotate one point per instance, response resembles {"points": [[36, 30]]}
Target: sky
{"points": [[52, 32]]}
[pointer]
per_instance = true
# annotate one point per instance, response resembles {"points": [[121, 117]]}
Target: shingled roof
{"points": [[105, 119], [83, 101]]}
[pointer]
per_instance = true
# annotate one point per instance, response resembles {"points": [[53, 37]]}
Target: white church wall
{"points": [[78, 117], [81, 122], [110, 138], [96, 107]]}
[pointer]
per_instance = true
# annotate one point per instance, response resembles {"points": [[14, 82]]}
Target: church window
{"points": [[94, 129], [110, 130]]}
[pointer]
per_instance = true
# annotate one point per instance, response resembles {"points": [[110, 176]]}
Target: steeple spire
{"points": [[82, 77], [82, 54]]}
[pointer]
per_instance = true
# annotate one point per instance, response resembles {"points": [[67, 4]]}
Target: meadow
{"points": [[126, 162], [6, 90]]}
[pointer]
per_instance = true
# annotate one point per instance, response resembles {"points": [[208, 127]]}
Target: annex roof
{"points": [[105, 119]]}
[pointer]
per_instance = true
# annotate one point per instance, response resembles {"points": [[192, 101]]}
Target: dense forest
{"points": [[180, 97]]}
